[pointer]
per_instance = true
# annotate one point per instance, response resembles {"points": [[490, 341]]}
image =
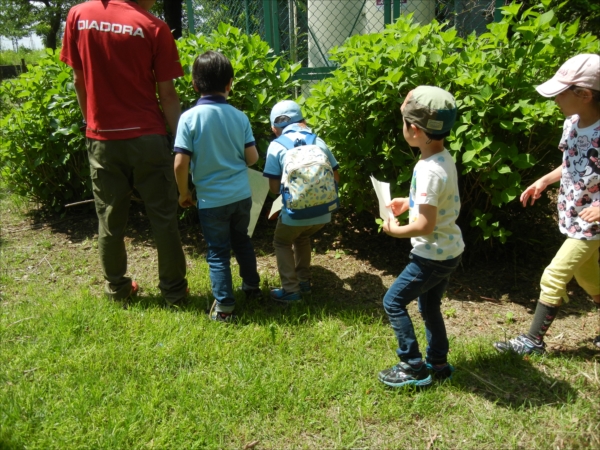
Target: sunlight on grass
{"points": [[79, 371]]}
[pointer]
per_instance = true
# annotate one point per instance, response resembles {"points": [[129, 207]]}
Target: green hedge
{"points": [[42, 151], [505, 136]]}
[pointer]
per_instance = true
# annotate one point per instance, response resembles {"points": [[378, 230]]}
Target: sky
{"points": [[34, 42]]}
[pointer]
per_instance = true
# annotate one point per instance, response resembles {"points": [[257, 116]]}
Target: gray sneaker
{"points": [[521, 345], [403, 374], [220, 316], [305, 288]]}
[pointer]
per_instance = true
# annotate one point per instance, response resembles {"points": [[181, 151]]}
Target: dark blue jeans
{"points": [[425, 279], [225, 228]]}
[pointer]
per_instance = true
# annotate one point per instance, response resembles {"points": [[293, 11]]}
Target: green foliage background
{"points": [[260, 78], [42, 151], [505, 136]]}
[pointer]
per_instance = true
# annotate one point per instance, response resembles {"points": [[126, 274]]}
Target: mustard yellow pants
{"points": [[576, 258]]}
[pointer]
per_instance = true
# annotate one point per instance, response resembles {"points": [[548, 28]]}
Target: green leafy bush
{"points": [[260, 78], [505, 136], [42, 151]]}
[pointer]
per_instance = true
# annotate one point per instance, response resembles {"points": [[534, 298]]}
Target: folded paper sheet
{"points": [[383, 195], [260, 187]]}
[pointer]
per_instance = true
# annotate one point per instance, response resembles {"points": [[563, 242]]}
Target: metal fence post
{"points": [[272, 25], [190, 17], [387, 12], [247, 14], [497, 11], [396, 11]]}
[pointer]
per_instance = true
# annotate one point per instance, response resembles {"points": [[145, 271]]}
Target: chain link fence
{"points": [[304, 31]]}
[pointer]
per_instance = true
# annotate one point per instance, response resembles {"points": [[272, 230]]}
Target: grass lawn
{"points": [[79, 371]]}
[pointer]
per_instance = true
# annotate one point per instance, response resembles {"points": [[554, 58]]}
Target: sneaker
{"points": [[220, 316], [305, 288], [597, 341], [521, 345], [179, 303], [252, 292], [440, 373], [403, 374], [280, 295], [134, 289]]}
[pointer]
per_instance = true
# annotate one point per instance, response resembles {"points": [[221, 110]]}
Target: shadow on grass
{"points": [[511, 381], [357, 296], [7, 443]]}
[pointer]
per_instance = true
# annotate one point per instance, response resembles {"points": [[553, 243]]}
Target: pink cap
{"points": [[581, 70]]}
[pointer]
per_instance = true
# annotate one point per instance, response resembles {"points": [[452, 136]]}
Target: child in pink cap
{"points": [[576, 90]]}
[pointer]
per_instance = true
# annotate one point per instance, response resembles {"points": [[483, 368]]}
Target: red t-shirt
{"points": [[123, 52]]}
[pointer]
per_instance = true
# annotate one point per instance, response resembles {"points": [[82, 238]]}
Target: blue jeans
{"points": [[425, 279], [225, 228]]}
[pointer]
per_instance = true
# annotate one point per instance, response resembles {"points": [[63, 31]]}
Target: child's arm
{"points": [[182, 163], [274, 185], [423, 226], [535, 190], [251, 155]]}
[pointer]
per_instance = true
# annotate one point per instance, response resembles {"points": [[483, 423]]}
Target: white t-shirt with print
{"points": [[580, 179], [435, 182]]}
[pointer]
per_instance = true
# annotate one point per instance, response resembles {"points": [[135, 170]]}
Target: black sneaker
{"points": [[442, 373], [252, 292], [403, 374], [521, 345], [597, 341]]}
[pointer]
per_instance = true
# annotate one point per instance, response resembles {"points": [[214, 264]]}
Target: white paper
{"points": [[259, 186], [383, 195], [276, 207]]}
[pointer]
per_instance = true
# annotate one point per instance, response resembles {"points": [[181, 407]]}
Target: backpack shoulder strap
{"points": [[285, 141], [310, 138]]}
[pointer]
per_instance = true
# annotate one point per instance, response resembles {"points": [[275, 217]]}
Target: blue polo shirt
{"points": [[274, 169], [215, 134]]}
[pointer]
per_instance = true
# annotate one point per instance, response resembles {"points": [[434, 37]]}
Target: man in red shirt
{"points": [[122, 56]]}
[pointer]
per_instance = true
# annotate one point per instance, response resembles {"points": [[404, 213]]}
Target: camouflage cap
{"points": [[430, 108]]}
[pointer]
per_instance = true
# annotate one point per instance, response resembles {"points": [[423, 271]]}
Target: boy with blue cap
{"points": [[434, 204], [292, 236]]}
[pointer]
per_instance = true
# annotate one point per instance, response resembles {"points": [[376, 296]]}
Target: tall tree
{"points": [[20, 18]]}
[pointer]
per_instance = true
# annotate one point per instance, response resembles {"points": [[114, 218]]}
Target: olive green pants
{"points": [[146, 164], [293, 253]]}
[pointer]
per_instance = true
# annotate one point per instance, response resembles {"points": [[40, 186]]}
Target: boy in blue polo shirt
{"points": [[292, 236], [217, 140]]}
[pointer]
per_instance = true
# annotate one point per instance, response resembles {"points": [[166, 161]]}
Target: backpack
{"points": [[307, 186]]}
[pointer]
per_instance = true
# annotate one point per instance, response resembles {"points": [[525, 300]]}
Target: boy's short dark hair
{"points": [[281, 119], [433, 137], [211, 72]]}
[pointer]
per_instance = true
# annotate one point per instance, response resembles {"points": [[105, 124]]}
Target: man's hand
{"points": [[185, 200]]}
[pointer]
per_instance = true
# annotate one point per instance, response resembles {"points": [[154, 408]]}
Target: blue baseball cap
{"points": [[287, 108]]}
